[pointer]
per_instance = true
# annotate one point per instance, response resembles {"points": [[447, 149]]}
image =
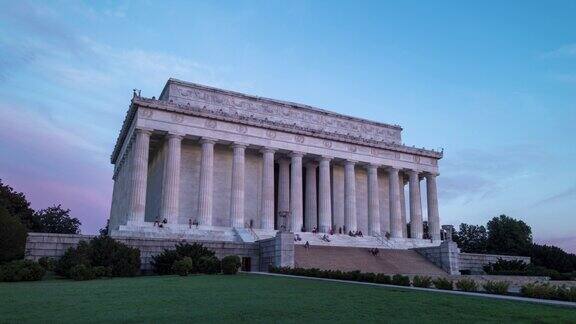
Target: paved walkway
{"points": [[453, 292]]}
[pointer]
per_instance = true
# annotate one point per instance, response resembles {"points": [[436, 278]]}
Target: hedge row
{"points": [[193, 258]]}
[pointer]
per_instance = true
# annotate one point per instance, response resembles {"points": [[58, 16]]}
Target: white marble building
{"points": [[232, 162]]}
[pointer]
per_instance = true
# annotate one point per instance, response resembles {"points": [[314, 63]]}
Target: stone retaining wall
{"points": [[278, 251], [54, 245], [446, 256], [475, 262]]}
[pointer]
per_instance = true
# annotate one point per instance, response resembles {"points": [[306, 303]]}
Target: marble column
{"points": [[325, 196], [171, 182], [402, 183], [350, 196], [416, 227], [283, 192], [395, 209], [206, 182], [311, 202], [296, 192], [373, 200], [433, 215], [267, 207], [139, 176], [237, 194]]}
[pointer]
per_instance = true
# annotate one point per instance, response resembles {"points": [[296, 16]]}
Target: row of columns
{"points": [[289, 190]]}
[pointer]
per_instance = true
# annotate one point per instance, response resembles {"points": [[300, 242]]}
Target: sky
{"points": [[493, 83]]}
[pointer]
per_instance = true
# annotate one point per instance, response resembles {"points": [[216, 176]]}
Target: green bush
{"points": [[21, 270], [12, 237], [47, 263], [466, 284], [400, 280], [496, 287], [102, 251], [443, 283], [163, 262], [502, 265], [101, 271], [422, 281], [566, 293], [183, 267], [383, 279], [209, 265], [82, 272], [231, 264], [536, 290]]}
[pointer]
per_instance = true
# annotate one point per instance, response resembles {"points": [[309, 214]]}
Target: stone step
{"points": [[388, 261]]}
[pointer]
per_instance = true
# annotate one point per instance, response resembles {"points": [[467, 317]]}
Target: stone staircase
{"points": [[388, 261], [344, 240]]}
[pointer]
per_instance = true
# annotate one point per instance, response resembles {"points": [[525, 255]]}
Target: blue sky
{"points": [[491, 82]]}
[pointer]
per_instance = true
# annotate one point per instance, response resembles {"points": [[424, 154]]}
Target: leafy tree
{"points": [[471, 238], [509, 236], [553, 257], [12, 237], [104, 231], [55, 219], [16, 205]]}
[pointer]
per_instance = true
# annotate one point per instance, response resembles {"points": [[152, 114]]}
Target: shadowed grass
{"points": [[251, 298]]}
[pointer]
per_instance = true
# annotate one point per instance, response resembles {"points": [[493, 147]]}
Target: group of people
{"points": [[357, 233], [159, 223], [374, 251]]}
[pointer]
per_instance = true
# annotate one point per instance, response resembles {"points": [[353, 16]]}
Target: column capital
{"points": [[311, 164], [325, 158], [392, 169], [267, 150], [296, 154], [370, 166], [175, 135], [350, 162], [429, 175], [283, 161], [208, 140], [239, 145], [143, 130]]}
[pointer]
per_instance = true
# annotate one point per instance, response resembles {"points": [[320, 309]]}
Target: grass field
{"points": [[251, 298]]}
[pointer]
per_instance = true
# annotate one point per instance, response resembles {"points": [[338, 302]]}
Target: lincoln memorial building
{"points": [[216, 165]]}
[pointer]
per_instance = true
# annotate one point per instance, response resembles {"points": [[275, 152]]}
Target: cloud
{"points": [[568, 194], [477, 174], [566, 51]]}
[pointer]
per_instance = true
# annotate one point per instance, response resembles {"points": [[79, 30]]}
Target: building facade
{"points": [[205, 161]]}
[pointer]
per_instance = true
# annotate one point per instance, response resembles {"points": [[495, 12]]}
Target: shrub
{"points": [[47, 263], [502, 265], [496, 287], [101, 271], [82, 272], [71, 258], [21, 270], [183, 267], [12, 237], [163, 262], [209, 265], [422, 281], [119, 259], [536, 290], [443, 283], [566, 293], [383, 279], [466, 284], [231, 264], [400, 280]]}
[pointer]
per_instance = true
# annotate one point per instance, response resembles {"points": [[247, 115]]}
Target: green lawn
{"points": [[252, 298]]}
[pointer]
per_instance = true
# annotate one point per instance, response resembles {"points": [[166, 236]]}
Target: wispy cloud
{"points": [[566, 51]]}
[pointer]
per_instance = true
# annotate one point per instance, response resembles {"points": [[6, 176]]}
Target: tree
{"points": [[16, 205], [12, 237], [553, 257], [55, 219], [509, 236], [471, 238]]}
